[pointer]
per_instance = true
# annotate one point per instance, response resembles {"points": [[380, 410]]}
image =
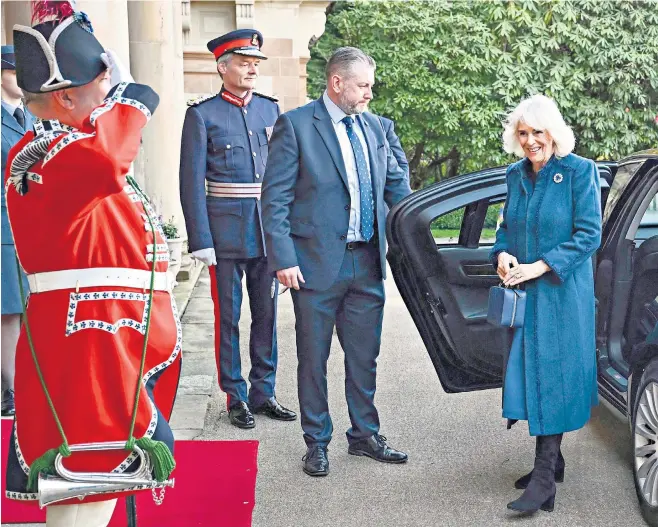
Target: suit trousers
{"points": [[226, 289], [354, 305]]}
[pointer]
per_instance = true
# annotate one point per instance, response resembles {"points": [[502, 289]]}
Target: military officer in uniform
{"points": [[16, 120], [223, 156]]}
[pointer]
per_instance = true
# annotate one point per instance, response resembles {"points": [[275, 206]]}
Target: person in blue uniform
{"points": [[223, 155], [16, 120]]}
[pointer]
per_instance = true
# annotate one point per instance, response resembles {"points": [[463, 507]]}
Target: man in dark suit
{"points": [[16, 120], [328, 179], [224, 149]]}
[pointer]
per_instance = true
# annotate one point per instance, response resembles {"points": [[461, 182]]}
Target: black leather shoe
{"points": [[376, 448], [8, 403], [316, 462], [240, 416], [272, 409]]}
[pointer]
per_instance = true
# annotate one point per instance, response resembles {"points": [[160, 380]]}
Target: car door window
{"points": [[445, 229], [492, 222], [648, 227]]}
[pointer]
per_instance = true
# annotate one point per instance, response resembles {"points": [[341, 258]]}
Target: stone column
{"points": [[109, 18], [156, 59], [4, 33], [287, 26], [14, 13]]}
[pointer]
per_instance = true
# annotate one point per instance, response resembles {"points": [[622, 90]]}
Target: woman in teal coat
{"points": [[551, 228]]}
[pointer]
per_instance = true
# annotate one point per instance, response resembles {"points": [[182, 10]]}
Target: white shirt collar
{"points": [[336, 114]]}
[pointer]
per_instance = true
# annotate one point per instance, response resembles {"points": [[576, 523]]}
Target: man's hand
{"points": [[118, 72], [525, 272], [505, 261], [206, 256], [290, 277]]}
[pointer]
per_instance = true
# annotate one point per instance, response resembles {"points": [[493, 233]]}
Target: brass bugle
{"points": [[53, 489], [72, 484]]}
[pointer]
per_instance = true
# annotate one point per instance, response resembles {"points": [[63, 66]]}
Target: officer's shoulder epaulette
{"points": [[266, 96], [198, 100]]}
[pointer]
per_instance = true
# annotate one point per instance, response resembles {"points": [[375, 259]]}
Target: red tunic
{"points": [[79, 212]]}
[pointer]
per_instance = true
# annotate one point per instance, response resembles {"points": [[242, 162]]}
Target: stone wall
{"points": [[287, 28]]}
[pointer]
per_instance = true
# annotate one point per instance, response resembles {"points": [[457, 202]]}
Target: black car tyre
{"points": [[645, 443]]}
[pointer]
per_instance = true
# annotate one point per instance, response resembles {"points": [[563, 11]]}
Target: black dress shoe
{"points": [[376, 448], [316, 462], [272, 409], [8, 403], [240, 416]]}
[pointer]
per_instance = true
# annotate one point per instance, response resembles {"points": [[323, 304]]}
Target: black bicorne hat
{"points": [[56, 55]]}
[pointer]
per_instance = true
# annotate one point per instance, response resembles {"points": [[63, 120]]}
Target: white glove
{"points": [[118, 72], [206, 256]]}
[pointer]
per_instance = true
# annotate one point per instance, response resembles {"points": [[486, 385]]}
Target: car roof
{"points": [[651, 153]]}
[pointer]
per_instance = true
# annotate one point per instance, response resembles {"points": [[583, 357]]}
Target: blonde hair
{"points": [[541, 113]]}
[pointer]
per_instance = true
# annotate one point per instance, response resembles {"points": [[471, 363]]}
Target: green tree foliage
{"points": [[449, 71]]}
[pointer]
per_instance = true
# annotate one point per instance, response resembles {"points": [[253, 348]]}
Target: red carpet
{"points": [[215, 487]]}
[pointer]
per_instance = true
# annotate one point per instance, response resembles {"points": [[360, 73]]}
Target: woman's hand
{"points": [[524, 272], [505, 261]]}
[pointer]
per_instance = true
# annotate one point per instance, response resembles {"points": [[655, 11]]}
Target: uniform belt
{"points": [[234, 190], [98, 277]]}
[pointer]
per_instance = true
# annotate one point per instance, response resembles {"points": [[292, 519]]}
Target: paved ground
{"points": [[463, 461]]}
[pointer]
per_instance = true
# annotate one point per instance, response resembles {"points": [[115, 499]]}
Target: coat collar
{"points": [[10, 121], [325, 128]]}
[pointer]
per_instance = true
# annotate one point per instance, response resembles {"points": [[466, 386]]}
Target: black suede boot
{"points": [[523, 481], [540, 493]]}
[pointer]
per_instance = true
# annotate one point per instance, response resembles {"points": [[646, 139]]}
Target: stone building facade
{"points": [[164, 41]]}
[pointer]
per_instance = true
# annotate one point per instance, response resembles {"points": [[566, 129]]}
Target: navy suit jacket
{"points": [[306, 202], [394, 143], [11, 134]]}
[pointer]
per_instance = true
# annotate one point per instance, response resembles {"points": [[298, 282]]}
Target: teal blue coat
{"points": [[557, 221]]}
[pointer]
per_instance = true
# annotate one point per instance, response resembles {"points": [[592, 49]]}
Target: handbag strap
{"points": [[516, 299]]}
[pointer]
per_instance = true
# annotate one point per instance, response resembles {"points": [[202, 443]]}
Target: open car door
{"points": [[439, 241]]}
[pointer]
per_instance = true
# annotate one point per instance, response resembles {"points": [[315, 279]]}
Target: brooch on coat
{"points": [[558, 178]]}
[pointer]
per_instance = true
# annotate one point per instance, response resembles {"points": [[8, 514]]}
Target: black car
{"points": [[444, 277]]}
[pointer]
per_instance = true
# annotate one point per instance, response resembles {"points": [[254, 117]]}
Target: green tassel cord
{"points": [[45, 465], [162, 460]]}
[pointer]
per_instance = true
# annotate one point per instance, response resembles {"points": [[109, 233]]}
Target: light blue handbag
{"points": [[506, 307]]}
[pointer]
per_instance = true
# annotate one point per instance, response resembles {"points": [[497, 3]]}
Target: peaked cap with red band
{"points": [[241, 41]]}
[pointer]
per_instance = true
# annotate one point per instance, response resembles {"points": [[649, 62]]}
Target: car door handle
{"points": [[479, 270]]}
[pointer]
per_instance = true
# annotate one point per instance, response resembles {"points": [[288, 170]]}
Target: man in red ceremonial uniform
{"points": [[96, 259]]}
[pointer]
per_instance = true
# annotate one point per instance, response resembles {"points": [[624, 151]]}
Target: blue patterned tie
{"points": [[365, 186]]}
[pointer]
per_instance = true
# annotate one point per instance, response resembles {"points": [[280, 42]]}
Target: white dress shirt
{"points": [[337, 115]]}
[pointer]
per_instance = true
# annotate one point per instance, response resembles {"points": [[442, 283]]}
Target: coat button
{"points": [[245, 111], [347, 207], [343, 237], [250, 132], [257, 176], [228, 147], [254, 153]]}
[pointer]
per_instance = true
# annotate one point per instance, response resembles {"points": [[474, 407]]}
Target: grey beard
{"points": [[349, 108]]}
